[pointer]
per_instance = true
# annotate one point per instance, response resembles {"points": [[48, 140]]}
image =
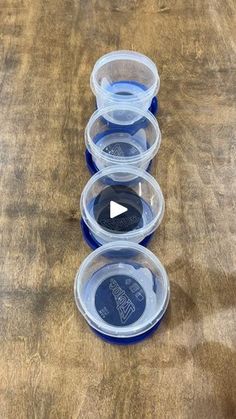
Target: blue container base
{"points": [[94, 244], [154, 107], [92, 166], [127, 341]]}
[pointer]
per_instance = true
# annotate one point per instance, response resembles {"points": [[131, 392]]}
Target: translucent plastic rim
{"points": [[116, 331], [126, 170], [144, 156], [125, 55]]}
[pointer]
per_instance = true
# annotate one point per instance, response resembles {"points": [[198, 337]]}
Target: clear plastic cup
{"points": [[132, 144], [132, 188], [122, 290], [124, 76]]}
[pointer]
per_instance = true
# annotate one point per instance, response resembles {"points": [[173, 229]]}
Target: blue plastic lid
{"points": [[128, 341], [154, 107], [154, 104]]}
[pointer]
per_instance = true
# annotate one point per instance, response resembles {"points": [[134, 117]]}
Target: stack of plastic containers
{"points": [[122, 289]]}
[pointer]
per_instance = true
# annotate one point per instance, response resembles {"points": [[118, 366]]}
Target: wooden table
{"points": [[51, 364]]}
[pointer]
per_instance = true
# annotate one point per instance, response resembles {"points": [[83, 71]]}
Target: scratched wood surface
{"points": [[51, 364]]}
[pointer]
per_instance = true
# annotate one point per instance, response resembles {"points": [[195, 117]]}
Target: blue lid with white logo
{"points": [[122, 290]]}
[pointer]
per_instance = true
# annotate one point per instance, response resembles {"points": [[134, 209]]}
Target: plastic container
{"points": [[131, 144], [122, 290], [124, 76], [131, 188]]}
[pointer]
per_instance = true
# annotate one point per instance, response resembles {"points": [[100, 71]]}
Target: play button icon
{"points": [[116, 209]]}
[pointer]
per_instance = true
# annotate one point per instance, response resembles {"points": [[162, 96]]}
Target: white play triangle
{"points": [[116, 209]]}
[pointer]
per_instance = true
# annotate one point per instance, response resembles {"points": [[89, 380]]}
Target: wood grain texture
{"points": [[51, 365]]}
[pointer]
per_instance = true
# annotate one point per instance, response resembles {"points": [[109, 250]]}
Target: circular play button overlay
{"points": [[118, 209]]}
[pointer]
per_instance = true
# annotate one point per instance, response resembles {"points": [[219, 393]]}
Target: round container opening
{"points": [[125, 75], [122, 289], [117, 208], [122, 143]]}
